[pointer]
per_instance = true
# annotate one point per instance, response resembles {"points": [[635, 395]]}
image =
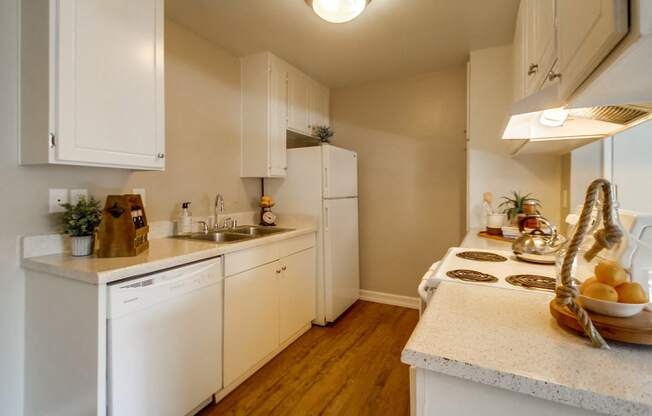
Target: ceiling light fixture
{"points": [[338, 11], [554, 117]]}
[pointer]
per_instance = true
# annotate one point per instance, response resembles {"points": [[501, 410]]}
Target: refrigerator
{"points": [[322, 184]]}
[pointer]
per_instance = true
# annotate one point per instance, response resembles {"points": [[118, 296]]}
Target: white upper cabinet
{"points": [[299, 102], [276, 97], [264, 116], [540, 49], [588, 31], [518, 53], [319, 106], [92, 83], [308, 103], [564, 41]]}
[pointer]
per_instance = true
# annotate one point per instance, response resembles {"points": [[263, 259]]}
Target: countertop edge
{"points": [[525, 385], [108, 276]]}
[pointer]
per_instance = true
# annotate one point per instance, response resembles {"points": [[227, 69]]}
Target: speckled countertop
{"points": [[508, 339], [163, 253]]}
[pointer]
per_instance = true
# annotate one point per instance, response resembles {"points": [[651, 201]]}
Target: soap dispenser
{"points": [[184, 223]]}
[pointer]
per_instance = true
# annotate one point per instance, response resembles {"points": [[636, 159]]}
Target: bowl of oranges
{"points": [[610, 292]]}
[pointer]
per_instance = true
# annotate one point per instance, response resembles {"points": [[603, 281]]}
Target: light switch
{"points": [[57, 197]]}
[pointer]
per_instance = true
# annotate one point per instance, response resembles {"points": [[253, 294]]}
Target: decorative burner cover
{"points": [[532, 281], [481, 256], [471, 276]]}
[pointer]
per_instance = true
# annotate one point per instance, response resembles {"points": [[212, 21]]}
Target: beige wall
{"points": [[490, 166], [202, 100], [409, 135], [203, 116]]}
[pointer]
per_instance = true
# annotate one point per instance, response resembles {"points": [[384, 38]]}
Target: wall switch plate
{"points": [[57, 197], [77, 194], [141, 192]]}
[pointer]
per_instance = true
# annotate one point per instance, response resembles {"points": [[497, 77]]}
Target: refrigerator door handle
{"points": [[325, 218]]}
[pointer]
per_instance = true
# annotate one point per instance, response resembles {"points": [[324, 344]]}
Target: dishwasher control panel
{"points": [[131, 295]]}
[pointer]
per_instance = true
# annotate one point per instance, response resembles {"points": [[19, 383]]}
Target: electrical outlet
{"points": [[57, 197], [141, 192], [77, 194]]}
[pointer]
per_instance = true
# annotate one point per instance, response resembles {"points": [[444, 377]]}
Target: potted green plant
{"points": [[80, 221], [323, 132], [514, 206]]}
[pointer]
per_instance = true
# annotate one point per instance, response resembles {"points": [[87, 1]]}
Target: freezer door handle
{"points": [[326, 181]]}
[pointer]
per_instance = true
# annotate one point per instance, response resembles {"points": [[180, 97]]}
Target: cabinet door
{"points": [[109, 83], [299, 102], [251, 322], [297, 292], [319, 106], [588, 31], [518, 56], [540, 42], [279, 120]]}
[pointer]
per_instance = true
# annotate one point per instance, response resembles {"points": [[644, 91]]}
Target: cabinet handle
{"points": [[278, 272], [553, 75], [284, 268], [533, 69], [161, 156]]}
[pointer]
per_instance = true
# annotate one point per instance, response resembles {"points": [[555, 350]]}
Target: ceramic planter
{"points": [[81, 246]]}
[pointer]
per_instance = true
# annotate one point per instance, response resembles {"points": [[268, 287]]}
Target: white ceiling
{"points": [[391, 39]]}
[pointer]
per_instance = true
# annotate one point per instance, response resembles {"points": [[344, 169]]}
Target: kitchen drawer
{"points": [[294, 245], [241, 261]]}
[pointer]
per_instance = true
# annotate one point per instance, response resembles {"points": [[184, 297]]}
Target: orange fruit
{"points": [[631, 292], [611, 273], [586, 283], [601, 291]]}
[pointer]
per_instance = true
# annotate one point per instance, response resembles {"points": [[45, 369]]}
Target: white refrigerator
{"points": [[322, 183]]}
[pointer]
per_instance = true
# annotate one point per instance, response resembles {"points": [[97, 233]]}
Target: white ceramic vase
{"points": [[81, 245]]}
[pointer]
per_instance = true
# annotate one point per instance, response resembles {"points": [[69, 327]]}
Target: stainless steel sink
{"points": [[217, 237], [258, 231], [233, 235]]}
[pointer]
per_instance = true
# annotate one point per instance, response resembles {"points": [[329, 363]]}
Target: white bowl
{"points": [[615, 309]]}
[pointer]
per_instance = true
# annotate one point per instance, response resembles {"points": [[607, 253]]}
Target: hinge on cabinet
{"points": [[53, 141]]}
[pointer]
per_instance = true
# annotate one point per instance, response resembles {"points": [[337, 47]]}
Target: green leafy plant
{"points": [[82, 218], [514, 205], [323, 132]]}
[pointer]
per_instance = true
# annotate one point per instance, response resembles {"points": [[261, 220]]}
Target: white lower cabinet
{"points": [[269, 297], [250, 319], [296, 292]]}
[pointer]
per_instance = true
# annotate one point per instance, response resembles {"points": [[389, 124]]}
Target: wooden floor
{"points": [[351, 367]]}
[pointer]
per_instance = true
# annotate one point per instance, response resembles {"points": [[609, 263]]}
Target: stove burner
{"points": [[471, 276], [481, 256], [532, 281]]}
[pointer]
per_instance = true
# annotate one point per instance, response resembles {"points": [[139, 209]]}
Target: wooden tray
{"points": [[488, 236], [634, 330]]}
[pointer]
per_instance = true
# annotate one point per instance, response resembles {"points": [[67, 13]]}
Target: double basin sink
{"points": [[232, 235]]}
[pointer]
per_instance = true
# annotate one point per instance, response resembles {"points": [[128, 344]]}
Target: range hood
{"points": [[615, 97], [561, 122]]}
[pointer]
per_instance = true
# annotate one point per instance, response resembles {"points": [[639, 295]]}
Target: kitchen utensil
{"points": [[538, 246], [124, 227], [494, 223]]}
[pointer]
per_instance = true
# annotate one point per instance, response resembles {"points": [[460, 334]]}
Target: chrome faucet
{"points": [[219, 208], [204, 226]]}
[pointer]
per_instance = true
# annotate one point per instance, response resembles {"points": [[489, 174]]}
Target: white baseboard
{"points": [[390, 299]]}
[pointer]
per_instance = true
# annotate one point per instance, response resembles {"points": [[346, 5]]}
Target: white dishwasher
{"points": [[165, 341]]}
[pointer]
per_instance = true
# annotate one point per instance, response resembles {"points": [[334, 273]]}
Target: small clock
{"points": [[269, 218]]}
